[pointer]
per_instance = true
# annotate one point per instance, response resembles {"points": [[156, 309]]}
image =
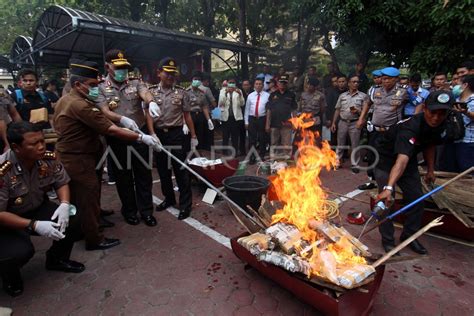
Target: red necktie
{"points": [[256, 106]]}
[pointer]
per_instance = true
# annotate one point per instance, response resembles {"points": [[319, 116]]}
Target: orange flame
{"points": [[299, 188]]}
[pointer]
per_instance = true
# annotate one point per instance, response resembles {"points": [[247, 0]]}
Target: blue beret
{"points": [[391, 72], [377, 73]]}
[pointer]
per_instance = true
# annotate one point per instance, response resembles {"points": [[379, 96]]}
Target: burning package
{"points": [[288, 236], [256, 243], [289, 263], [349, 277]]}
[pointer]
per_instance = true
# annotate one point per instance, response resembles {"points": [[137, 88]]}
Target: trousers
{"points": [[173, 139], [257, 134], [343, 130], [133, 177], [16, 248], [410, 184]]}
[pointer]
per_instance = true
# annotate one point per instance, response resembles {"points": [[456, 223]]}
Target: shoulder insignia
{"points": [[178, 87], [5, 167], [151, 86], [49, 155]]}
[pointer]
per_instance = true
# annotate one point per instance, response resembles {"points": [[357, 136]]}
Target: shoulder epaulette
{"points": [[4, 167], [179, 87], [151, 86], [49, 155]]}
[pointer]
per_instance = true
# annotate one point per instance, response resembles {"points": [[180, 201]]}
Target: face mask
{"points": [[120, 75], [231, 85], [457, 90], [93, 93], [196, 83]]}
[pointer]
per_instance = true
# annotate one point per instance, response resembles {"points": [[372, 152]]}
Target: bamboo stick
{"points": [[433, 223]]}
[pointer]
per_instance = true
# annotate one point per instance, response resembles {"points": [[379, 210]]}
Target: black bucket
{"points": [[246, 190]]}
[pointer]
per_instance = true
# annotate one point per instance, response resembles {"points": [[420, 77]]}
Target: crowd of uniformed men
{"points": [[130, 121]]}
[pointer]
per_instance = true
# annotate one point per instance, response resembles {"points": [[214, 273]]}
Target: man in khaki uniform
{"points": [[78, 121], [348, 109], [313, 102], [175, 106], [199, 104], [27, 172], [8, 113], [121, 100]]}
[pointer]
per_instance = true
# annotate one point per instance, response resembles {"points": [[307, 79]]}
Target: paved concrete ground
{"points": [[174, 269]]}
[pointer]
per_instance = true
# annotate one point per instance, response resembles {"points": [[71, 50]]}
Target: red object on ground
{"points": [[452, 226], [356, 218], [350, 303], [217, 173]]}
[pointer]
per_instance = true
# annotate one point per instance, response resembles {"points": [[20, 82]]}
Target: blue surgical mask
{"points": [[457, 90], [93, 93], [196, 83], [120, 75]]}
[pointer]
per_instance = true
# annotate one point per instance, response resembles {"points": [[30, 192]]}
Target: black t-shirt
{"points": [[52, 97], [408, 137], [281, 105], [31, 101]]}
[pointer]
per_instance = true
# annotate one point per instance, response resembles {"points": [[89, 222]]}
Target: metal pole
{"points": [[225, 197]]}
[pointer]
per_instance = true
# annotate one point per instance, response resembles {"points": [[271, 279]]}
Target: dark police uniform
{"points": [[281, 105], [198, 101], [23, 192], [77, 122], [169, 129], [408, 137], [124, 99]]}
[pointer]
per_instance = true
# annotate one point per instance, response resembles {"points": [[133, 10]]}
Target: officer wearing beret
{"points": [[120, 99], [200, 111], [77, 121], [27, 172], [398, 164], [175, 106]]}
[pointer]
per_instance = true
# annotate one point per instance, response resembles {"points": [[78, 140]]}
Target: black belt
{"points": [[349, 121], [168, 129]]}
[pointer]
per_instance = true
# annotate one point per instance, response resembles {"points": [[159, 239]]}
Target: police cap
{"points": [[117, 58], [440, 100], [284, 78], [390, 72], [168, 64]]}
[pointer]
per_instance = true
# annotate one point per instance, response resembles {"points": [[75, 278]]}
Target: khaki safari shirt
{"points": [[388, 107], [21, 190], [312, 103], [347, 100], [173, 103], [123, 99], [197, 99]]}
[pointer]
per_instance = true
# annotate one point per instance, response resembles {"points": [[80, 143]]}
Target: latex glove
{"points": [[210, 125], [194, 143], [48, 229], [154, 109], [185, 129], [149, 140], [159, 145], [129, 123], [62, 214]]}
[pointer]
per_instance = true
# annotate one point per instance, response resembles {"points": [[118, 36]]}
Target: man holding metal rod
{"points": [[398, 164]]}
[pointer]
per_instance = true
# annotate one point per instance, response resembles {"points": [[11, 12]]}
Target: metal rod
{"points": [[225, 197], [418, 200], [347, 197]]}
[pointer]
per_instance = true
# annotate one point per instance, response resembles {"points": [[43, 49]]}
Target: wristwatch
{"points": [[388, 187], [30, 228]]}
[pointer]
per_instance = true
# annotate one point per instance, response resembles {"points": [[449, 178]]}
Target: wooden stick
{"points": [[433, 223]]}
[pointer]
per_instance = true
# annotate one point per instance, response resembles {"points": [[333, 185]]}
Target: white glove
{"points": [[159, 145], [129, 123], [62, 214], [149, 140], [48, 229], [154, 109], [210, 125], [185, 129], [194, 143]]}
